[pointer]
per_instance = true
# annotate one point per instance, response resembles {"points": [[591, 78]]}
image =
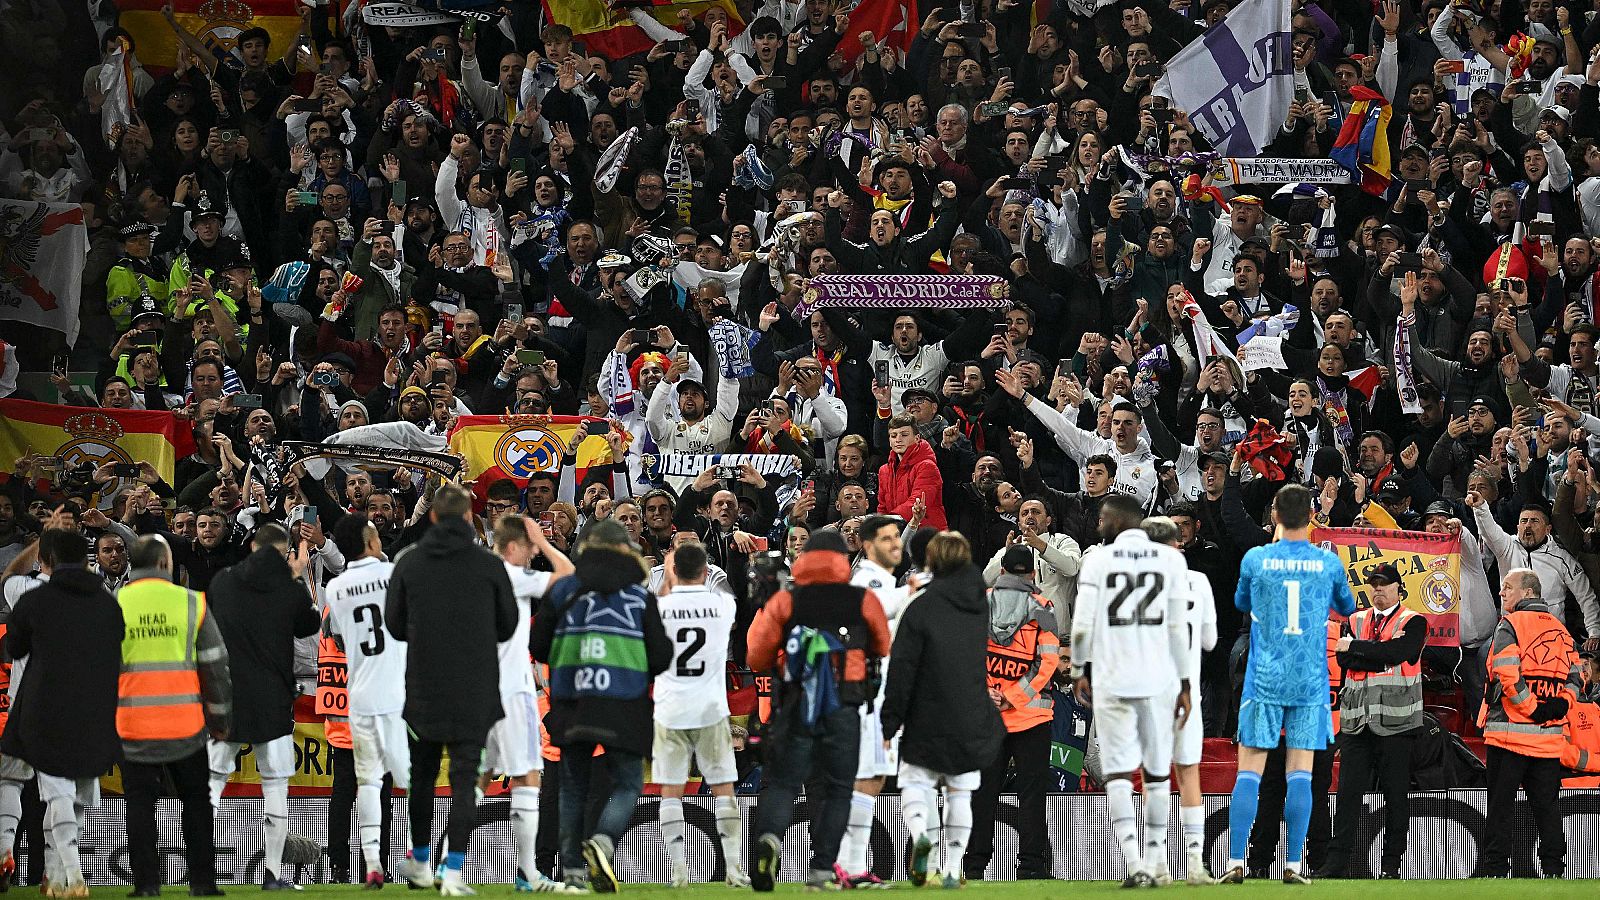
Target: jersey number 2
{"points": [[691, 639], [1125, 584], [373, 644]]}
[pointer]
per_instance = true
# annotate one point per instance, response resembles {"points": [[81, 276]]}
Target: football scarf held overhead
{"points": [[902, 292], [1404, 379], [1362, 146]]}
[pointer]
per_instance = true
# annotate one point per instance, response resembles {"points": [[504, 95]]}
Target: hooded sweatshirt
{"points": [[907, 476]]}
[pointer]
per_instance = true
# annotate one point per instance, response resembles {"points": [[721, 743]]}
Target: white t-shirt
{"points": [[1132, 616], [375, 661], [692, 693], [516, 666]]}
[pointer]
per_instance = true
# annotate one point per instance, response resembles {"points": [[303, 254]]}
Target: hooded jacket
{"points": [[904, 477], [451, 601], [936, 687], [64, 718], [622, 724], [822, 598], [260, 608]]}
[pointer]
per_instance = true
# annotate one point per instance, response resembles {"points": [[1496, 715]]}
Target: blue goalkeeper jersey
{"points": [[1287, 588]]}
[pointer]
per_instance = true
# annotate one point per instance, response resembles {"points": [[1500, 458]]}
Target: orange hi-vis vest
{"points": [[1022, 669], [1536, 665], [1335, 671], [1581, 755], [332, 700], [158, 693], [1386, 702]]}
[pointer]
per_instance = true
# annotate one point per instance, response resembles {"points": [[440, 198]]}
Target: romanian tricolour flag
{"points": [[614, 34], [1363, 143], [81, 434], [517, 447], [217, 23]]}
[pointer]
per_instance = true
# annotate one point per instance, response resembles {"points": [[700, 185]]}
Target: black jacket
{"points": [[450, 600], [260, 607], [64, 718], [936, 688], [623, 724]]}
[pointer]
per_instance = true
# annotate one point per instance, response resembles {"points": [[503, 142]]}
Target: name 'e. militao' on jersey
{"points": [[1288, 587]]}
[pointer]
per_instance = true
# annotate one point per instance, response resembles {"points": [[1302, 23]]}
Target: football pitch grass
{"points": [[1040, 890]]}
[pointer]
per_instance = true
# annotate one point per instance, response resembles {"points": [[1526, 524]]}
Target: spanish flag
{"points": [[614, 35], [81, 434], [1362, 146], [217, 23], [517, 447]]}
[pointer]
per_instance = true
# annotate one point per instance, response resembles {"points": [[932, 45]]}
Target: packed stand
{"points": [[390, 228]]}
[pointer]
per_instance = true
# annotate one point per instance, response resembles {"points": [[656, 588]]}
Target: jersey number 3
{"points": [[1125, 584], [373, 644]]}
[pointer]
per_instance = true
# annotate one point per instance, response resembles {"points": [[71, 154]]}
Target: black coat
{"points": [[450, 600], [64, 718], [937, 688], [624, 724], [260, 608]]}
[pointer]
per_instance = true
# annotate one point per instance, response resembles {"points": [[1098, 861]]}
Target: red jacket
{"points": [[903, 478]]}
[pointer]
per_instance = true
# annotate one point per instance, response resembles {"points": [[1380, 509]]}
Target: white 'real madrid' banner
{"points": [[1237, 81], [42, 248]]}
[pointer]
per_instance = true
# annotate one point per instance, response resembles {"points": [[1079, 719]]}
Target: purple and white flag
{"points": [[1237, 81], [903, 292]]}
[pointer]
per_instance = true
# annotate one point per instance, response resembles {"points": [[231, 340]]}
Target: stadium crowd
{"points": [[388, 227]]}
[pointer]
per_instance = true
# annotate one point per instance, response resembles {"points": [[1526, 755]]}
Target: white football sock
{"points": [[1119, 802], [275, 823], [730, 829], [1157, 811], [672, 829], [916, 805], [525, 827], [854, 855], [63, 827], [1194, 828], [957, 830], [369, 815], [10, 814]]}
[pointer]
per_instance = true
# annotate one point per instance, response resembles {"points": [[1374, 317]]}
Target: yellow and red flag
{"points": [[614, 35], [80, 434], [217, 23], [518, 447], [1430, 571]]}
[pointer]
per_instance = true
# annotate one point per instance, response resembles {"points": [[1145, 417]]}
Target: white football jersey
{"points": [[375, 661], [516, 665], [1202, 630], [693, 691], [892, 597], [1132, 616]]}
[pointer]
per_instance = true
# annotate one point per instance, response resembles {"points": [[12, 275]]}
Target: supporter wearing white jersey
{"points": [[1136, 465], [691, 709], [376, 667], [1130, 627], [696, 429], [1188, 747], [513, 747], [881, 552]]}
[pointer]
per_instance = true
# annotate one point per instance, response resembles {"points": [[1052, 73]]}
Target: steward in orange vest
{"points": [[1380, 705], [1533, 678], [1581, 756], [172, 651]]}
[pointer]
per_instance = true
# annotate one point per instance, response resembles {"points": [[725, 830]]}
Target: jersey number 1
{"points": [[1293, 590]]}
